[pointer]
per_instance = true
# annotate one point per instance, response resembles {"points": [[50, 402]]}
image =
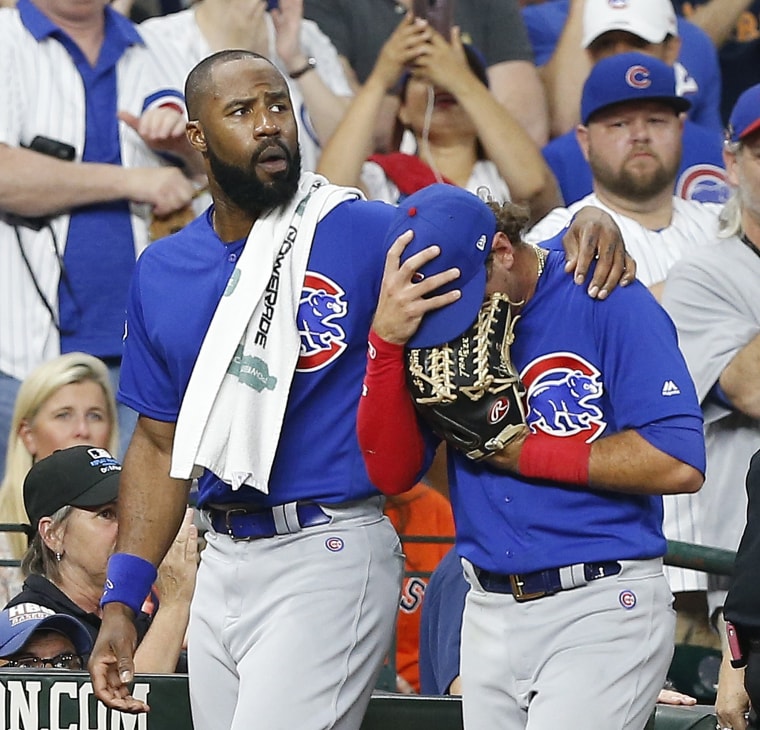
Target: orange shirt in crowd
{"points": [[420, 511]]}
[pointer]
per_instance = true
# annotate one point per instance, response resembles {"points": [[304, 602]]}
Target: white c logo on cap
{"points": [[481, 244]]}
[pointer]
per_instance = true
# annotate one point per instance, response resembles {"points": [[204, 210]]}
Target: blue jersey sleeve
{"points": [[145, 383], [645, 374]]}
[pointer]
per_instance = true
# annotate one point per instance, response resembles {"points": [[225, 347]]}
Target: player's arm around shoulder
{"points": [[593, 246]]}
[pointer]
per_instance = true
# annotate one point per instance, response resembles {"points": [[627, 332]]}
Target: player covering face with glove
{"points": [[559, 528]]}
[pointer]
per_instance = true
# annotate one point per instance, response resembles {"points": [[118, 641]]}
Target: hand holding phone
{"points": [[439, 13], [735, 648]]}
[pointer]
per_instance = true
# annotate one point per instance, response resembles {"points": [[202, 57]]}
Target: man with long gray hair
{"points": [[711, 296]]}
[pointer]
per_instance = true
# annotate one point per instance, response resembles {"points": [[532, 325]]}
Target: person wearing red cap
{"points": [[711, 298]]}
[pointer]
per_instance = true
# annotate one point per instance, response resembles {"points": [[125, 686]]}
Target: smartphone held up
{"points": [[439, 13]]}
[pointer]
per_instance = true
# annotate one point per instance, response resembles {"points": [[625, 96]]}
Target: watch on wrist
{"points": [[308, 66]]}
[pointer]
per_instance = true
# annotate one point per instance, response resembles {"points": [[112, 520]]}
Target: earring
{"points": [[58, 557]]}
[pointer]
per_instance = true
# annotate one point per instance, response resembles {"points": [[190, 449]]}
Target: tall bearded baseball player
{"points": [[244, 355], [568, 618], [712, 300]]}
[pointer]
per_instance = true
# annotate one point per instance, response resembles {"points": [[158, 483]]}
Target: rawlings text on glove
{"points": [[468, 390]]}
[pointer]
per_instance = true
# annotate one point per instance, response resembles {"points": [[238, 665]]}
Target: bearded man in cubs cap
{"points": [[568, 618]]}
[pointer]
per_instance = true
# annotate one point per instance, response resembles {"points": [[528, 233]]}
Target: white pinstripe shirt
{"points": [[182, 30], [43, 94], [693, 224]]}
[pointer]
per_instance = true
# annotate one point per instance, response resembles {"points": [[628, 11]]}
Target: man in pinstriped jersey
{"points": [[78, 181]]}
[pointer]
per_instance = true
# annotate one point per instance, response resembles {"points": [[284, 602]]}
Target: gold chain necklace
{"points": [[541, 255]]}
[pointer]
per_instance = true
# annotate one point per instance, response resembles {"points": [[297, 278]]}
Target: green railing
{"points": [[63, 700]]}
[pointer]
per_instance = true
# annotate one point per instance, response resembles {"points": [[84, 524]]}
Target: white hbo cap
{"points": [[652, 20]]}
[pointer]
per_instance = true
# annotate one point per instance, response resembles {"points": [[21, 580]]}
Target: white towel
{"points": [[232, 412]]}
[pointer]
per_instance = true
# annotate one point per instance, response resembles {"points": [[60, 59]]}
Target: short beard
{"points": [[631, 186], [243, 187]]}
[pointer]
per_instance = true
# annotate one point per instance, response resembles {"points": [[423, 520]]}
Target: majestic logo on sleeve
{"points": [[562, 392], [319, 311]]}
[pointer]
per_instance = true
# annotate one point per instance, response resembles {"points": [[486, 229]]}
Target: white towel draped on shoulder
{"points": [[232, 411]]}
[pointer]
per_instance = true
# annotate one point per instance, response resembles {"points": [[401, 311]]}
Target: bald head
{"points": [[199, 81]]}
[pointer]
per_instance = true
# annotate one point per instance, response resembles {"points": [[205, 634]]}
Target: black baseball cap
{"points": [[81, 476]]}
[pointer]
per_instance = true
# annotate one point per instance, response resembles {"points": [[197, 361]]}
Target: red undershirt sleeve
{"points": [[389, 436]]}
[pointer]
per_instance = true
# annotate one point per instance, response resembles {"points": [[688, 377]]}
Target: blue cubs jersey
{"points": [[177, 284], [591, 369], [701, 175]]}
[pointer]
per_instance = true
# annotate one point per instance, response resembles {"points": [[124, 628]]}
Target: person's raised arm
{"points": [[565, 73], [504, 139], [326, 108], [353, 142], [151, 507], [718, 19]]}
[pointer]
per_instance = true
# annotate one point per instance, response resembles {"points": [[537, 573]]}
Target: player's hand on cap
{"points": [[593, 234], [404, 300], [111, 664]]}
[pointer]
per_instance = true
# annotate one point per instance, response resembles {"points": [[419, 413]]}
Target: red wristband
{"points": [[555, 459]]}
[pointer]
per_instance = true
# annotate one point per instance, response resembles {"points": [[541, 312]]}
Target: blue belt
{"points": [[246, 523], [530, 586]]}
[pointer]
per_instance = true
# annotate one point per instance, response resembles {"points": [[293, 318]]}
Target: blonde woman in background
{"points": [[67, 401]]}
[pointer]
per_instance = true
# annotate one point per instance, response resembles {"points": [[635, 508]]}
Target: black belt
{"points": [[529, 586], [247, 523]]}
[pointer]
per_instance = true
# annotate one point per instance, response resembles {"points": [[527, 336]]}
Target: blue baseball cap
{"points": [[18, 623], [745, 116], [629, 77], [463, 226]]}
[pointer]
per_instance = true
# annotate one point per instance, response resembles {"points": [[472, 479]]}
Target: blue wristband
{"points": [[128, 580]]}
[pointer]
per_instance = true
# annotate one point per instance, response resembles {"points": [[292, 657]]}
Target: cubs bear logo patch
{"points": [[320, 310], [562, 392]]}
